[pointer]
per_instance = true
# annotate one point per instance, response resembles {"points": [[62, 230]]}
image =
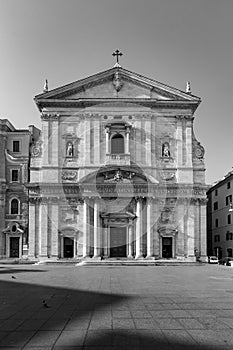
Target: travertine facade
{"points": [[117, 171]]}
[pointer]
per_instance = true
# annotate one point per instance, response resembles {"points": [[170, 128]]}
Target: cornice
{"points": [[89, 102]]}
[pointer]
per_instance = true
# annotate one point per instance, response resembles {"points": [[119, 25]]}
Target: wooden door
{"points": [[118, 242], [14, 247]]}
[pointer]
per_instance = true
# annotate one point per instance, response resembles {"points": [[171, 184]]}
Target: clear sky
{"points": [[171, 41]]}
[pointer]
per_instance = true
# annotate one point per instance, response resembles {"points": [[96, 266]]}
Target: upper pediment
{"points": [[116, 83]]}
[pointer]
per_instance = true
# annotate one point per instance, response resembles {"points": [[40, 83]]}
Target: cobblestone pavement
{"points": [[160, 307]]}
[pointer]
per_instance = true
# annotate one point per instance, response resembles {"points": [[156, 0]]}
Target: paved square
{"points": [[134, 307]]}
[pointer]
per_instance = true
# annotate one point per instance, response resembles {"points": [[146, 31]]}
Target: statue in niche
{"points": [[166, 150], [69, 149]]}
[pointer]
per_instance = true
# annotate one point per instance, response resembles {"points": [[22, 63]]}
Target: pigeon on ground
{"points": [[45, 304]]}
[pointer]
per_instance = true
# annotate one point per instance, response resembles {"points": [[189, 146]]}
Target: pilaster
{"points": [[139, 229], [190, 230], [54, 230], [87, 138], [86, 231], [179, 138], [148, 142], [32, 227], [130, 240], [96, 229], [188, 143], [96, 142], [149, 230], [203, 234], [43, 240]]}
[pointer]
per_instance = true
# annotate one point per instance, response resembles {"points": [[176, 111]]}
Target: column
{"points": [[86, 223], [96, 230], [107, 132], [31, 228], [203, 250], [139, 229], [148, 229], [127, 140], [130, 240], [105, 238], [54, 230]]}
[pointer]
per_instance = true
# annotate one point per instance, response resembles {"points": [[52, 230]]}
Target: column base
{"points": [[139, 257], [130, 257], [150, 257], [203, 258], [96, 257]]}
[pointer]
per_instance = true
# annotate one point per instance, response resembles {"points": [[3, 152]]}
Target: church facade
{"points": [[117, 172]]}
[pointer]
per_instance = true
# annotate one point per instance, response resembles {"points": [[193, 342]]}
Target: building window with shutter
{"points": [[14, 175], [215, 205], [16, 146], [118, 144], [14, 206]]}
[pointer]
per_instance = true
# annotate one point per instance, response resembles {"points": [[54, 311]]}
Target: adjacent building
{"points": [[117, 172], [220, 218], [14, 174]]}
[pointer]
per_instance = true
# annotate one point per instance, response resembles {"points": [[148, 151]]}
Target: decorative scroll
{"points": [[36, 150]]}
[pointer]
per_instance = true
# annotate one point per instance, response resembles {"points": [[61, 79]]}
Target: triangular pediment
{"points": [[116, 83]]}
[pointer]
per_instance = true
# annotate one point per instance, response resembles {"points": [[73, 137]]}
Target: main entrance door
{"points": [[117, 242], [14, 247], [68, 247], [167, 247]]}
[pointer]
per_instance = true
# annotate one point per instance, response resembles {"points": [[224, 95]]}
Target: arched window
{"points": [[14, 207], [118, 144]]}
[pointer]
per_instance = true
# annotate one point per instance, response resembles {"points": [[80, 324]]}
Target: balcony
{"points": [[117, 159]]}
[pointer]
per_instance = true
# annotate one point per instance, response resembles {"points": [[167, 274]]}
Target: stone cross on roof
{"points": [[117, 53]]}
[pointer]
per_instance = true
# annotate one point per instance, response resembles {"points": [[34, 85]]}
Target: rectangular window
{"points": [[15, 146], [216, 222], [215, 205], [229, 219], [229, 199], [217, 238], [228, 185], [14, 175], [216, 192], [229, 252]]}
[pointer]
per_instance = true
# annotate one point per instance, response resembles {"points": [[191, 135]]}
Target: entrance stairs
{"points": [[135, 262], [79, 262]]}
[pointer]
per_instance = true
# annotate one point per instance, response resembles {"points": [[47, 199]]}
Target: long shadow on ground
{"points": [[75, 319]]}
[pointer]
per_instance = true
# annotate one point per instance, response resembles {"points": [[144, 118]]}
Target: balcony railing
{"points": [[117, 159]]}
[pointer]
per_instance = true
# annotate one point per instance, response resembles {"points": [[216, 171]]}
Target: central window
{"points": [[118, 144]]}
